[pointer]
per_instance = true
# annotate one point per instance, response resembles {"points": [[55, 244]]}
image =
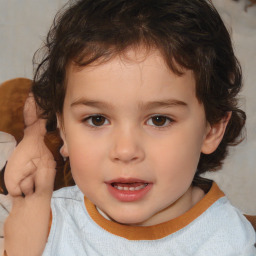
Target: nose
{"points": [[127, 147]]}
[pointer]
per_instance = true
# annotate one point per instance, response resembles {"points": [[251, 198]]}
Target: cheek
{"points": [[182, 148], [176, 168], [178, 156], [86, 157], [81, 158]]}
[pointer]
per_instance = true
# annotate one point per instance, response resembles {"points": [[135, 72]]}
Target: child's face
{"points": [[134, 132]]}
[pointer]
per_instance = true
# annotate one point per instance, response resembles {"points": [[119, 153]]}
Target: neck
{"points": [[191, 197]]}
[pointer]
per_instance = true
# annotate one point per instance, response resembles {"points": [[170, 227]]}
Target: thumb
{"points": [[45, 175]]}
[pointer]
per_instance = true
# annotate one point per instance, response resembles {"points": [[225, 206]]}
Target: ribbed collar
{"points": [[156, 231]]}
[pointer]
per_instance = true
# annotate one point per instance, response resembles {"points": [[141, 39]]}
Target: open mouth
{"points": [[128, 190], [135, 186]]}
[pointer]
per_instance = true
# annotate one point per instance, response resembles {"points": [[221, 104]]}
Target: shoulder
{"points": [[221, 228], [67, 211], [228, 228], [72, 192], [67, 198], [228, 216]]}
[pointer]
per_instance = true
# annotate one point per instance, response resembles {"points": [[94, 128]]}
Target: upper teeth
{"points": [[130, 188]]}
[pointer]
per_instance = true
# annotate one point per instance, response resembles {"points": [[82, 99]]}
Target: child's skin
{"points": [[130, 120], [22, 164], [31, 171], [126, 143], [26, 228]]}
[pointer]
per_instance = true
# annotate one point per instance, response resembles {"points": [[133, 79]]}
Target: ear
{"points": [[215, 134], [64, 148]]}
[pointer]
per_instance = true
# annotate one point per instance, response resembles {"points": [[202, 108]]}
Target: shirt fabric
{"points": [[212, 227]]}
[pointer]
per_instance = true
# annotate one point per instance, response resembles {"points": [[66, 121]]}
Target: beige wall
{"points": [[23, 26], [238, 177], [24, 23]]}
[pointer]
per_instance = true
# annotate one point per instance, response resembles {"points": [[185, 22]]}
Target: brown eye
{"points": [[96, 120], [159, 121]]}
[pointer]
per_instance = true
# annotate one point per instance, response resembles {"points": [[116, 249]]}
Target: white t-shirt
{"points": [[212, 227]]}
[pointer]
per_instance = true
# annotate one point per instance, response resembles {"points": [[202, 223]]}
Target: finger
{"points": [[14, 177], [29, 111], [45, 175], [27, 185]]}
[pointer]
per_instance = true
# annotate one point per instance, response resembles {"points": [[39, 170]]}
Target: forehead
{"points": [[145, 73]]}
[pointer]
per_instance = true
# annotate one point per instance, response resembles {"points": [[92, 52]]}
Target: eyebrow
{"points": [[168, 103]]}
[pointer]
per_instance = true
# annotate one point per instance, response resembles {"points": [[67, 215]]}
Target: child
{"points": [[144, 94]]}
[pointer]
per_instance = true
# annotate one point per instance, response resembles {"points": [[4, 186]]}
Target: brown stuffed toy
{"points": [[13, 94]]}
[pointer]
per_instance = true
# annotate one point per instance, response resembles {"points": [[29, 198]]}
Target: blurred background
{"points": [[23, 27]]}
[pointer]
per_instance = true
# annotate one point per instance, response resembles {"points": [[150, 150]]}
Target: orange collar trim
{"points": [[156, 231]]}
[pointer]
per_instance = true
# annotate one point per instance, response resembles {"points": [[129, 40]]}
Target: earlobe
{"points": [[64, 151], [64, 148], [215, 134]]}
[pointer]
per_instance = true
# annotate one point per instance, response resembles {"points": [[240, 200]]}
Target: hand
{"points": [[21, 166], [30, 171], [26, 228]]}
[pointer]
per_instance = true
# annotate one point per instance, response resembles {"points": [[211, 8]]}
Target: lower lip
{"points": [[127, 195]]}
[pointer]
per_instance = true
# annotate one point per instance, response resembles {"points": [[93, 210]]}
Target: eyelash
{"points": [[89, 118], [168, 120]]}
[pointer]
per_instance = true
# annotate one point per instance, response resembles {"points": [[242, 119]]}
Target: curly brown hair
{"points": [[189, 34]]}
